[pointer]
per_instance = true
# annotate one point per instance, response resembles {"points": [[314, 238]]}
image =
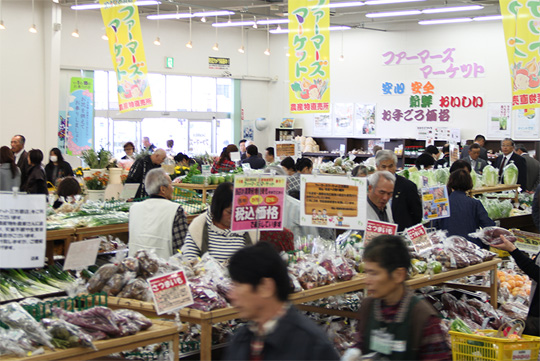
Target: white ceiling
{"points": [[350, 16]]}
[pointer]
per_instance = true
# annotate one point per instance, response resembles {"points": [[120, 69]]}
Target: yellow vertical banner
{"points": [[521, 22], [121, 19], [309, 61]]}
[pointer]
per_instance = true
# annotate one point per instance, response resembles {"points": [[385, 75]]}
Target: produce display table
{"points": [[161, 331], [87, 232], [207, 319], [197, 187], [494, 189], [64, 235]]}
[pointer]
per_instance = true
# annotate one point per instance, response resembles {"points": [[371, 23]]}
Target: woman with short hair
{"points": [[57, 168], [36, 183]]}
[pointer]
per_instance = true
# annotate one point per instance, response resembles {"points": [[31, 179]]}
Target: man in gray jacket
{"points": [[533, 168], [477, 163]]}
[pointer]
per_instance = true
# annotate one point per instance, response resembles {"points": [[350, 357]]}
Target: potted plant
{"points": [[96, 160], [96, 184]]}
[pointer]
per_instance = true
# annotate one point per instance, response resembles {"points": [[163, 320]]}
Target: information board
{"points": [[286, 149], [23, 229], [435, 203], [170, 292], [418, 235], [82, 254], [377, 228]]}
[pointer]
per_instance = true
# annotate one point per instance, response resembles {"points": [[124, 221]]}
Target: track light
{"points": [[157, 41], [105, 37], [189, 44], [75, 33], [203, 19], [241, 49], [255, 22], [2, 26], [33, 29], [216, 47], [267, 51]]}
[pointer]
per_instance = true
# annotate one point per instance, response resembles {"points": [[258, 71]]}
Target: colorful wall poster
{"points": [[521, 31], [123, 29], [364, 118], [286, 149], [322, 125], [435, 203], [80, 119], [333, 202], [527, 124], [309, 61], [499, 120], [342, 115], [258, 203], [248, 129], [62, 131]]}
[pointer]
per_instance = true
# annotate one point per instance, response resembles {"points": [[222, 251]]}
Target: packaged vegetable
{"points": [[15, 316], [490, 176], [510, 173], [67, 335], [100, 278], [491, 235], [97, 318], [459, 326]]}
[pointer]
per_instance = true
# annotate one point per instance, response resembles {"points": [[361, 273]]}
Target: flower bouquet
{"points": [[97, 181]]}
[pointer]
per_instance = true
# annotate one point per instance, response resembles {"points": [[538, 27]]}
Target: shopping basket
{"points": [[471, 347]]}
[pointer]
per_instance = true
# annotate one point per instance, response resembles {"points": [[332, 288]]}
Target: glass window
{"points": [[125, 131], [101, 90], [178, 93], [204, 94], [159, 130], [224, 95], [113, 91], [101, 133], [224, 133], [199, 140], [157, 89]]}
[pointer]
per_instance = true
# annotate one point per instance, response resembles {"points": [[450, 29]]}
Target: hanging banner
{"points": [[309, 61], [521, 31], [435, 203], [80, 120], [258, 203], [62, 131], [127, 51]]}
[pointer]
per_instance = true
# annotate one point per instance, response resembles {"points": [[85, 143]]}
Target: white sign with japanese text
{"points": [[170, 292], [23, 228], [82, 254]]}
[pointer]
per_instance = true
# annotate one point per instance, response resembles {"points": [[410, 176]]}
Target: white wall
{"points": [[359, 78]]}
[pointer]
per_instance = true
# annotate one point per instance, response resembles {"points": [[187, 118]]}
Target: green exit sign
{"points": [[169, 62]]}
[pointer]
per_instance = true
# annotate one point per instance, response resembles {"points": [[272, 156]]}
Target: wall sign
{"points": [[218, 63]]}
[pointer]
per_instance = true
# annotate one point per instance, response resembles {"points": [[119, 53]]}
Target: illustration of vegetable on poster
{"points": [[499, 120]]}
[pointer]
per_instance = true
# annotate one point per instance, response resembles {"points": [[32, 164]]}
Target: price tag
{"points": [[170, 292], [376, 228], [419, 238], [82, 254], [129, 190], [206, 170]]}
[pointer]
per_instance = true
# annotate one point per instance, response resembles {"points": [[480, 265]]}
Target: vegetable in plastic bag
{"points": [[15, 316], [491, 235], [490, 176], [67, 335], [459, 326], [510, 173], [442, 175]]}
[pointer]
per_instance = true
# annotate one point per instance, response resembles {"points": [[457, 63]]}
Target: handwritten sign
{"points": [[286, 149], [170, 292], [435, 203], [376, 228], [333, 202], [82, 254], [258, 203], [419, 238], [22, 230]]}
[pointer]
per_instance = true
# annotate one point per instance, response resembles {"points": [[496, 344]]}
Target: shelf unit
{"points": [[287, 133]]}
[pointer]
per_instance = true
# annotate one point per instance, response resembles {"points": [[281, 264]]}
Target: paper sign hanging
{"points": [[170, 292], [377, 228], [80, 120], [419, 238], [435, 203], [123, 29], [82, 254], [23, 228], [258, 203]]}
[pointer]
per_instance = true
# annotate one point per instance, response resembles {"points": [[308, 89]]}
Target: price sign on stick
{"points": [[82, 254], [170, 292], [419, 238], [376, 228]]}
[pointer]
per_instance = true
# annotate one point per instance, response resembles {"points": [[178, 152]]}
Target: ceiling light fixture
{"points": [[346, 4], [105, 37], [255, 22], [267, 50], [56, 1], [157, 41], [384, 2], [488, 18], [272, 21], [235, 23], [452, 9], [213, 13], [189, 44], [169, 16], [341, 57], [99, 6], [33, 28], [444, 21], [393, 13], [203, 19], [2, 26], [216, 46], [75, 32], [331, 28], [241, 49]]}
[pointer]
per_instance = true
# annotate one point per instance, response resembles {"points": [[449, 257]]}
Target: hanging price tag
{"points": [[82, 254], [170, 292], [376, 228], [419, 238]]}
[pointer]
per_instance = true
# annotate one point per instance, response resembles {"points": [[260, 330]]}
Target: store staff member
{"points": [[380, 190], [393, 321], [157, 223], [406, 203]]}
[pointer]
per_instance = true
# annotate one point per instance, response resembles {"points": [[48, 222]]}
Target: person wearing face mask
{"points": [[57, 168]]}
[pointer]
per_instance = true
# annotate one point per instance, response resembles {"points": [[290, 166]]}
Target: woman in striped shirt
{"points": [[210, 231]]}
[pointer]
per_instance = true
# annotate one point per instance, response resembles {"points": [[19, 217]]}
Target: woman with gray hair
{"points": [[157, 223]]}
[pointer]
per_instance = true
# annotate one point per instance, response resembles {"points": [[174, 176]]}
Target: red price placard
{"points": [[419, 238], [170, 292], [376, 228]]}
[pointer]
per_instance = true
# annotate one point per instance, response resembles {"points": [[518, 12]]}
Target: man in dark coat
{"points": [[406, 202], [21, 157], [481, 141], [141, 167], [507, 148]]}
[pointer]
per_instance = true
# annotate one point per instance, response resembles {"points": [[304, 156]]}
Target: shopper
{"points": [[211, 231], [275, 329], [360, 171], [224, 162], [66, 191], [10, 174], [533, 168], [508, 155], [406, 202], [57, 168], [170, 148], [302, 166], [460, 164], [269, 156], [157, 223], [141, 167], [21, 157], [380, 190], [370, 162], [392, 312], [477, 163], [242, 147], [445, 160], [466, 214], [288, 165], [252, 159], [129, 149], [536, 209], [424, 161], [481, 141], [433, 151], [184, 160], [148, 146], [531, 267], [36, 181]]}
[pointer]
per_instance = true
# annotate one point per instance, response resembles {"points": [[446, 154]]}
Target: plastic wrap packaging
{"points": [[66, 335], [510, 173], [100, 278], [205, 296], [101, 319], [136, 289], [137, 318], [491, 235], [15, 316], [490, 176], [514, 310], [340, 267], [148, 263]]}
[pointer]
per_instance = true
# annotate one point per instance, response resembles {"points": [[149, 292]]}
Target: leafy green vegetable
{"points": [[490, 176], [459, 326], [510, 174]]}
